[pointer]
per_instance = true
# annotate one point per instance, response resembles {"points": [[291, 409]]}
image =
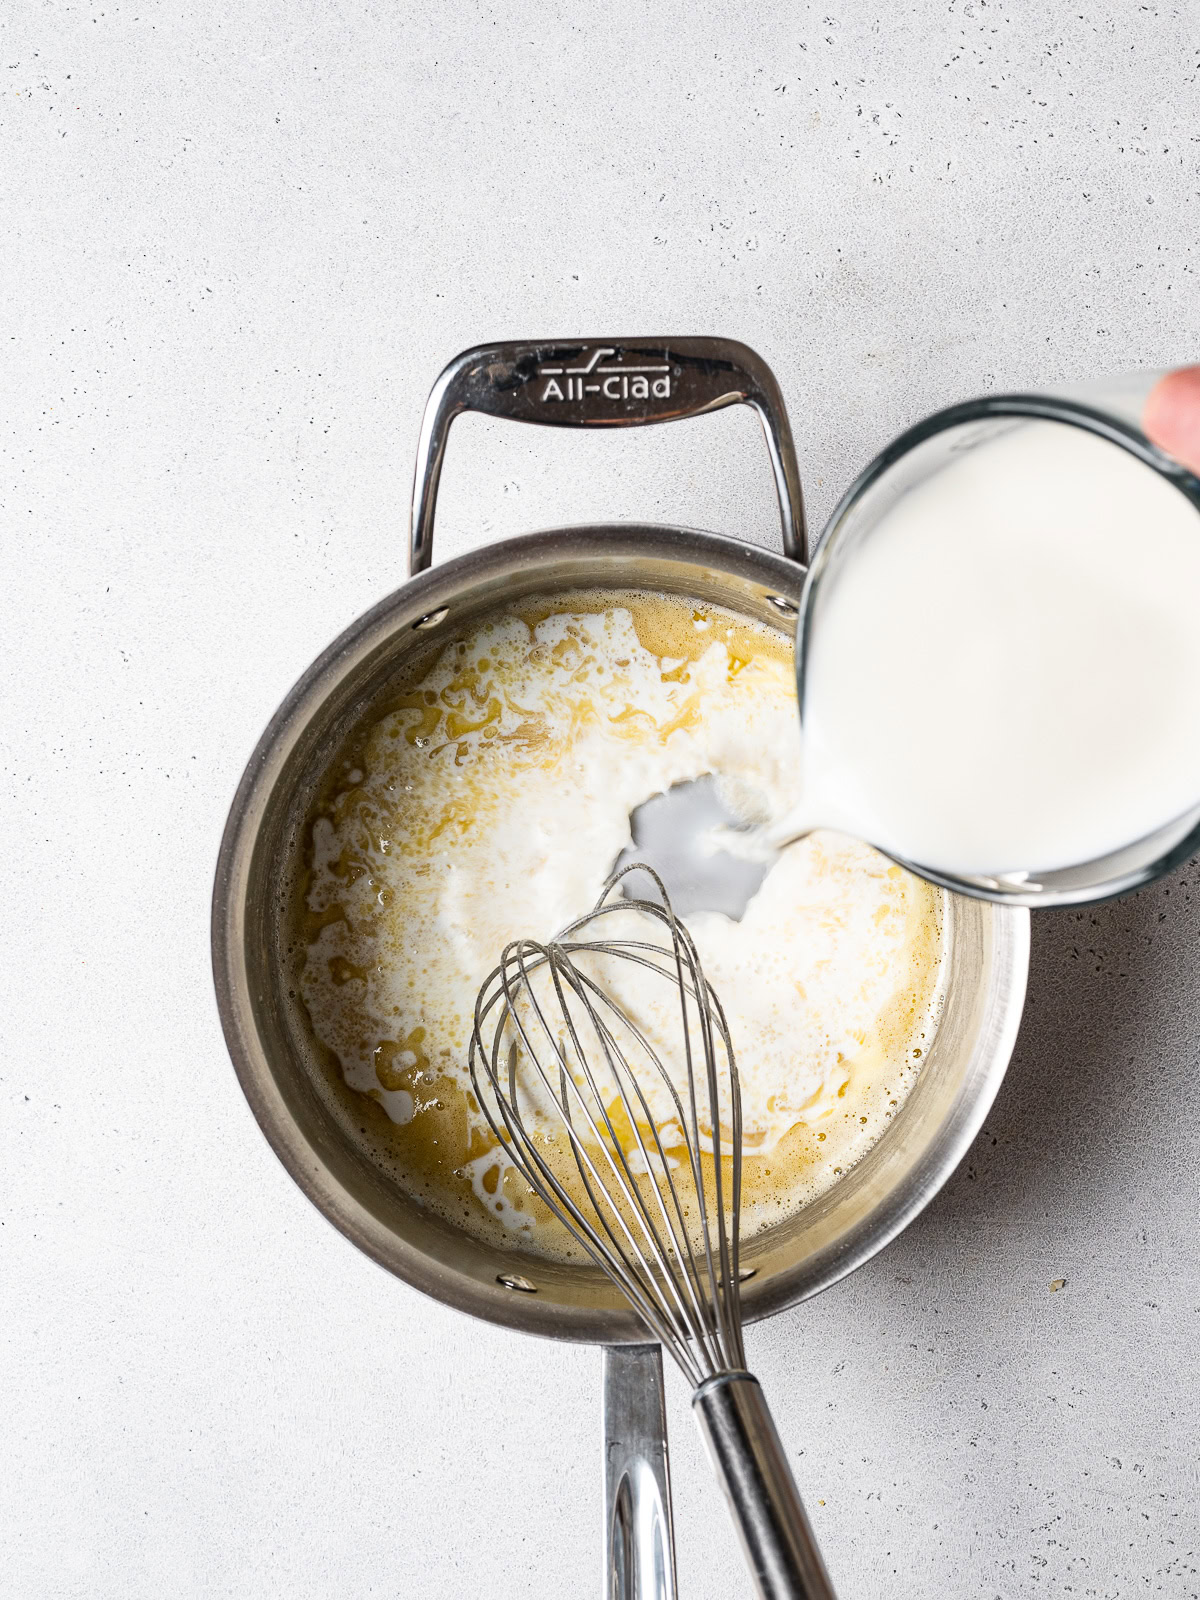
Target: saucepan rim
{"points": [[417, 604]]}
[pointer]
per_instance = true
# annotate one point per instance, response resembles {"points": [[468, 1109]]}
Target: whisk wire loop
{"points": [[523, 1148], [560, 1050], [670, 1209]]}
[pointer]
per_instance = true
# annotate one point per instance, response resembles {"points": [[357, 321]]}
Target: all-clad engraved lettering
{"points": [[617, 381]]}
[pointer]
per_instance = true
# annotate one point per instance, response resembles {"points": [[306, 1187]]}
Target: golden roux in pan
{"points": [[488, 798]]}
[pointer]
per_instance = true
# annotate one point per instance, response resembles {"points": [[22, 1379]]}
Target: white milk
{"points": [[1005, 675], [490, 800]]}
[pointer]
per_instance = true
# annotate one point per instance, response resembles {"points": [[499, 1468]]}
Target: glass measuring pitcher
{"points": [[964, 440]]}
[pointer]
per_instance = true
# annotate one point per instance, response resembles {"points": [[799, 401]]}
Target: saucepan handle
{"points": [[639, 1543], [749, 1462], [604, 383]]}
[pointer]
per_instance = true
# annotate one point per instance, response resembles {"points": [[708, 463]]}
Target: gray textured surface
{"points": [[238, 244]]}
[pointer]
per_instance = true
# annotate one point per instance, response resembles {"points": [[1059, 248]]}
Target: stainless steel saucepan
{"points": [[613, 382]]}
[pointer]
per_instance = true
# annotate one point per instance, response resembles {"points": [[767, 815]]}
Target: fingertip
{"points": [[1172, 416]]}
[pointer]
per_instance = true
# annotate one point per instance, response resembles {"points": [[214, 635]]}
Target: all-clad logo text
{"points": [[614, 380]]}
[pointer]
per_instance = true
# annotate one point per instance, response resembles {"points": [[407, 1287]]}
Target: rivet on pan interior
{"points": [[511, 1280], [746, 1272], [788, 607], [433, 618]]}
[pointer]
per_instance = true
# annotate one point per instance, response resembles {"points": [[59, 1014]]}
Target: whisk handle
{"points": [[749, 1462]]}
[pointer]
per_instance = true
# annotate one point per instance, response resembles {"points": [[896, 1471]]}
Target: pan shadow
{"points": [[1104, 1070]]}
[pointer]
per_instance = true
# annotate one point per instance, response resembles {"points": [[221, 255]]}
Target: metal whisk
{"points": [[634, 1143]]}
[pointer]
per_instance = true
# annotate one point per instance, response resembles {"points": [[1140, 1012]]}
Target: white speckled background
{"points": [[238, 244]]}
